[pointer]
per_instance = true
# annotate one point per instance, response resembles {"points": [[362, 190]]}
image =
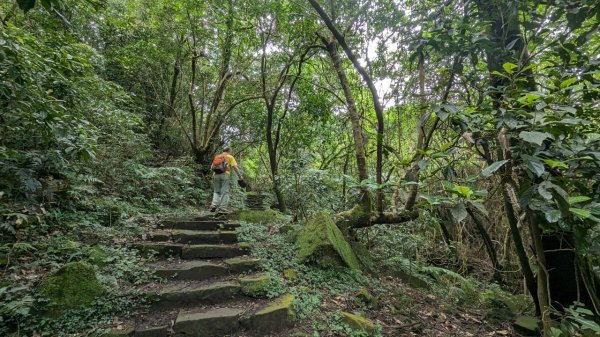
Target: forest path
{"points": [[211, 285]]}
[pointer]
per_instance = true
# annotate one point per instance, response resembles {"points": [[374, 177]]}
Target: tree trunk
{"points": [[359, 144], [376, 103], [415, 169], [487, 241]]}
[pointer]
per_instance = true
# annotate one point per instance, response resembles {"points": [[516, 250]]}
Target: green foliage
{"points": [[577, 321]]}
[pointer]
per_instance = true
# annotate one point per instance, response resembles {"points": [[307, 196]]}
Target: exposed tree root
{"points": [[360, 216]]}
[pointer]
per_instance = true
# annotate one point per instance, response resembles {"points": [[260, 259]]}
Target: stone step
{"points": [[194, 236], [256, 317], [272, 317], [242, 264], [202, 270], [217, 322], [214, 251], [199, 224], [195, 295], [191, 270], [159, 249], [188, 252]]}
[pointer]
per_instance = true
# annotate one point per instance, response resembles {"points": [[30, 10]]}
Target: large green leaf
{"points": [[578, 199], [534, 165], [488, 171], [580, 212], [509, 67], [555, 163], [464, 191], [534, 137], [459, 211]]}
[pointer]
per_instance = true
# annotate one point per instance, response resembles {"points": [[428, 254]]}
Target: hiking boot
{"points": [[213, 209]]}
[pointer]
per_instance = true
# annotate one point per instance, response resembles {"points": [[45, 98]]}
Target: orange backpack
{"points": [[219, 164]]}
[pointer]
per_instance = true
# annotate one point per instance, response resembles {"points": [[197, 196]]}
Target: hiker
{"points": [[221, 167]]}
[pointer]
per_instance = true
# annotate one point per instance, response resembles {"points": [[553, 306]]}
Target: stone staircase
{"points": [[211, 287]]}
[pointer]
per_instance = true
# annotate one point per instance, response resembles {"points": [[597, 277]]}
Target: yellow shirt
{"points": [[230, 162]]}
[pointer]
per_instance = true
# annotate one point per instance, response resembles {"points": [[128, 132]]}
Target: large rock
{"points": [[72, 286], [320, 240]]}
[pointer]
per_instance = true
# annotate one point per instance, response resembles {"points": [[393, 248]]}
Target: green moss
{"points": [[358, 323], [72, 286], [322, 240], [3, 259], [367, 298], [255, 285], [290, 274], [282, 303], [97, 255], [266, 216]]}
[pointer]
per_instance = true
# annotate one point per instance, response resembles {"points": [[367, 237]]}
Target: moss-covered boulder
{"points": [[320, 240], [72, 286], [358, 323]]}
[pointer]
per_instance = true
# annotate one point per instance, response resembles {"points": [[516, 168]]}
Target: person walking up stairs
{"points": [[221, 166]]}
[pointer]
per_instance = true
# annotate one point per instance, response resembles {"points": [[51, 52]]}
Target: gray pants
{"points": [[220, 199]]}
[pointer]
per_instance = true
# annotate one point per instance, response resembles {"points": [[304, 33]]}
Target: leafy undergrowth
{"points": [[443, 303], [42, 245]]}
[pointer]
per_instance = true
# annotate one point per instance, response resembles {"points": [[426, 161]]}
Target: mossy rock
{"points": [[255, 285], [72, 286], [320, 240], [358, 323], [275, 316], [98, 255], [367, 298], [290, 274]]}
